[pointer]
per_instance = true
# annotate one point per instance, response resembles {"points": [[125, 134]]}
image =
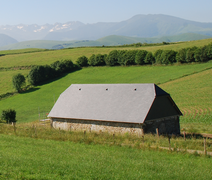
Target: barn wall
{"points": [[165, 126], [170, 125], [97, 126]]}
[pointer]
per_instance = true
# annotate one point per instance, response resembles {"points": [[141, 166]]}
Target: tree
{"points": [[149, 59], [181, 55], [140, 57], [112, 58], [9, 115], [99, 60], [18, 81], [168, 56], [157, 55], [190, 54], [82, 61], [91, 60]]}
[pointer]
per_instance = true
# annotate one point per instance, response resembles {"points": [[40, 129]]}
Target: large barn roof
{"points": [[128, 103]]}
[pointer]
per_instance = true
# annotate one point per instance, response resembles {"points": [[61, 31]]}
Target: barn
{"points": [[122, 108]]}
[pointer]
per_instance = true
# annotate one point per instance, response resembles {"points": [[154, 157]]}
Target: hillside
{"points": [[112, 40], [6, 40]]}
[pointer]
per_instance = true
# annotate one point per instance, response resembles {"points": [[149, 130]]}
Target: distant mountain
{"points": [[112, 40], [138, 26], [6, 40], [142, 26], [23, 32]]}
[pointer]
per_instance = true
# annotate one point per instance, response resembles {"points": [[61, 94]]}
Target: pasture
{"points": [[28, 152], [28, 158], [40, 99]]}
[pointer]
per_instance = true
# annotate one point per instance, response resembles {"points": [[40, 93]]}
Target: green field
{"points": [[41, 98], [48, 57], [53, 154], [27, 158]]}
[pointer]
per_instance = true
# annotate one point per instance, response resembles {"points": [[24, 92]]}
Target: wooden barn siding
{"points": [[171, 125]]}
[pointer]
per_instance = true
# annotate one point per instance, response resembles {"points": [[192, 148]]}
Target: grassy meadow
{"points": [[41, 99], [35, 151], [28, 158]]}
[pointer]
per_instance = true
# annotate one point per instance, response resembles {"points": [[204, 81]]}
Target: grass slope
{"points": [[112, 40], [47, 57], [27, 158], [41, 99]]}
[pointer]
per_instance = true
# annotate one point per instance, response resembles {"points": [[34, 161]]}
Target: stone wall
{"points": [[97, 126], [165, 126]]}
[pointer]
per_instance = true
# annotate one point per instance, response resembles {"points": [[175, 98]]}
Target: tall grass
{"points": [[44, 131], [30, 158]]}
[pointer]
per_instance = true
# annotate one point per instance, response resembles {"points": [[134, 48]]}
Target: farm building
{"points": [[122, 108]]}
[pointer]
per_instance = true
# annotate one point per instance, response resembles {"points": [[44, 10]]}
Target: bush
{"points": [[9, 115], [121, 57], [140, 57], [99, 60], [181, 55], [18, 81], [112, 58], [190, 52], [157, 55], [149, 59], [91, 60], [82, 61], [168, 57]]}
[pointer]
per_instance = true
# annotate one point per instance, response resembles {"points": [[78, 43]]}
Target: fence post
{"points": [[169, 142], [157, 131]]}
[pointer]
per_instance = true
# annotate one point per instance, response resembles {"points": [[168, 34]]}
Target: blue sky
{"points": [[92, 11]]}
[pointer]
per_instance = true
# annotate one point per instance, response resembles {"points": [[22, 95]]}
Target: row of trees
{"points": [[39, 74], [141, 57]]}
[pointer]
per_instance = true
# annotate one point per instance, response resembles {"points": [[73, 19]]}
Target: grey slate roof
{"points": [[128, 103]]}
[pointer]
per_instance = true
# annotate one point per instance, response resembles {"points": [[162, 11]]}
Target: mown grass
{"points": [[41, 99], [28, 158], [48, 57]]}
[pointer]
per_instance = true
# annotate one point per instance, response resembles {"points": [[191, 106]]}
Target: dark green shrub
{"points": [[9, 115], [112, 58], [99, 60], [201, 54], [82, 61], [140, 57], [157, 55], [36, 75], [91, 60], [18, 81], [181, 55], [121, 57], [190, 52], [149, 59], [168, 57]]}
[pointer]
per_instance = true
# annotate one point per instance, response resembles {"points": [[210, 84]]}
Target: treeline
{"points": [[39, 74], [142, 57]]}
